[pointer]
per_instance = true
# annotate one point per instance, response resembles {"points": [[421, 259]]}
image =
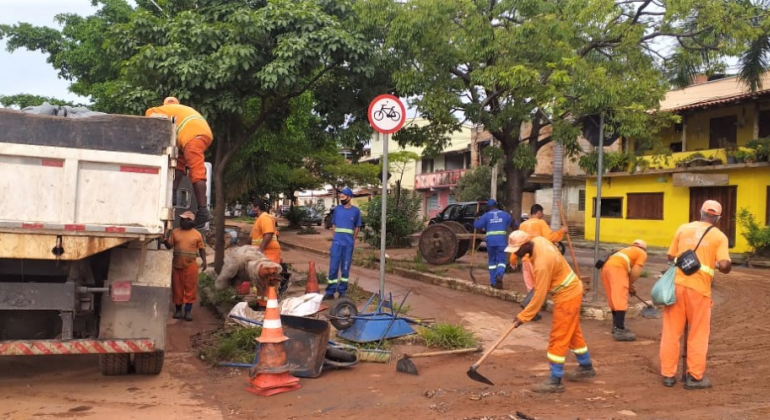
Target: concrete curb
{"points": [[586, 312]]}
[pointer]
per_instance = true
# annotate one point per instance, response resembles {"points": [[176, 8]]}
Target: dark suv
{"points": [[463, 213]]}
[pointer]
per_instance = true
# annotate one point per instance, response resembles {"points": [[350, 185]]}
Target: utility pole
{"points": [[598, 205]]}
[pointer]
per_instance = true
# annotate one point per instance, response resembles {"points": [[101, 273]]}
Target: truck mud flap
{"points": [[52, 347]]}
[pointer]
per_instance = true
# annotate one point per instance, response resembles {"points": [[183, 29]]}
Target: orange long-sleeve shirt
{"points": [[713, 248], [552, 275], [633, 256], [538, 227], [189, 123]]}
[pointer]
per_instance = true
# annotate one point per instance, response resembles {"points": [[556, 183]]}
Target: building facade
{"points": [[708, 160]]}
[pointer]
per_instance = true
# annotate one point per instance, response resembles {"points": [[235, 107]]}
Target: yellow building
{"points": [[718, 118]]}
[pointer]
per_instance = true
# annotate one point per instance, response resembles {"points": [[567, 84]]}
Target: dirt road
{"points": [[627, 385]]}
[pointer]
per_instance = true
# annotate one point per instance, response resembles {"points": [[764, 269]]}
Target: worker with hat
{"points": [[553, 275], [619, 273], [693, 296], [188, 246], [193, 137], [346, 222], [495, 223], [264, 234]]}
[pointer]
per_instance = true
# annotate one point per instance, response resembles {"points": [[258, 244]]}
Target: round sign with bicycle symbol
{"points": [[387, 114]]}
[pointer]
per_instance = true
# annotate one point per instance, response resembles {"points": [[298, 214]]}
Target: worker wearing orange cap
{"points": [[193, 137], [693, 297], [619, 273], [188, 246], [553, 275]]}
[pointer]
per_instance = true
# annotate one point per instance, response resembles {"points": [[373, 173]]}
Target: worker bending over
{"points": [[619, 273], [693, 297], [496, 224], [553, 275], [193, 137]]}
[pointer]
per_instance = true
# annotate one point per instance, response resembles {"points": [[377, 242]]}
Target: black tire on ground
{"points": [[342, 313], [339, 355], [114, 364], [148, 363]]}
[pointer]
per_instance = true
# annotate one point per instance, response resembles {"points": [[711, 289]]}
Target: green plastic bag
{"points": [[664, 292]]}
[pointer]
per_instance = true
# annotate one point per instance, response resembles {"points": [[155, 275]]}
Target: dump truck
{"points": [[84, 206]]}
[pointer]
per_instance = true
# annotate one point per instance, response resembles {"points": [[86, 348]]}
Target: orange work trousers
{"points": [[565, 330], [615, 281], [694, 309], [528, 273], [193, 158], [184, 284]]}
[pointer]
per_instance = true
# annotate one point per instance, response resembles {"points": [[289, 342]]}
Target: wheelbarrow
{"points": [[367, 327]]}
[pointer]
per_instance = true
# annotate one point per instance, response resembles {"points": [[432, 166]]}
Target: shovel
{"points": [[406, 366], [650, 311], [472, 371]]}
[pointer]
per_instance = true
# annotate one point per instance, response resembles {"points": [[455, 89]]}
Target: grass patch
{"points": [[236, 345], [644, 274], [225, 297], [356, 292], [308, 230], [449, 337], [242, 219]]}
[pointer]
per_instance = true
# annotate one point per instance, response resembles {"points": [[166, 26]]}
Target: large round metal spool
{"points": [[438, 244], [463, 244]]}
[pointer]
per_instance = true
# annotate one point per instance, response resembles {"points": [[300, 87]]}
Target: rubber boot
{"points": [[203, 216], [669, 381], [328, 296], [188, 316], [550, 386], [623, 334], [692, 383], [581, 373], [178, 312]]}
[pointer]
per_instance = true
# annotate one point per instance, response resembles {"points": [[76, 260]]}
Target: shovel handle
{"points": [[643, 301], [442, 353], [494, 346], [569, 241]]}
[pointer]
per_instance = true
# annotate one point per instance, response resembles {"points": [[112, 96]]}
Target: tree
{"points": [[529, 71], [474, 185], [239, 63], [398, 163], [332, 168]]}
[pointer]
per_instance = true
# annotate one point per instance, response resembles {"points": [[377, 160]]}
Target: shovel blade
{"points": [[650, 313], [406, 366], [477, 376]]}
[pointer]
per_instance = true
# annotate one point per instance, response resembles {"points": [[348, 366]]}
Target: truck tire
{"points": [[148, 363], [114, 364]]}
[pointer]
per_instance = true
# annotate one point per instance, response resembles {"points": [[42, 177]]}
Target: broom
{"points": [[382, 356]]}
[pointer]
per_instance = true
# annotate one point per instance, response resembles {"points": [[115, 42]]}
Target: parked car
{"points": [[312, 216], [463, 213]]}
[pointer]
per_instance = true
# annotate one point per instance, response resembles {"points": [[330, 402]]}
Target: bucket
{"points": [[306, 347]]}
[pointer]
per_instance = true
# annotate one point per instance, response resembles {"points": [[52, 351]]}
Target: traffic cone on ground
{"points": [[272, 371], [312, 280]]}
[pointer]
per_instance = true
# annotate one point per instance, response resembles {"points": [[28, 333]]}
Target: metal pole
{"points": [[598, 205], [384, 216]]}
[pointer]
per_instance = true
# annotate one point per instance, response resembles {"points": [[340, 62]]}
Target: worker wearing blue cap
{"points": [[496, 224], [346, 222]]}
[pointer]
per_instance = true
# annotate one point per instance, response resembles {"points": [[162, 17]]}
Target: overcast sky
{"points": [[27, 72]]}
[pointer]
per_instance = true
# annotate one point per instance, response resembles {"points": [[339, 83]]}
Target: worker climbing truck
{"points": [[84, 203]]}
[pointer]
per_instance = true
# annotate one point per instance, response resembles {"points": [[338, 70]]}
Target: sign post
{"points": [[386, 115]]}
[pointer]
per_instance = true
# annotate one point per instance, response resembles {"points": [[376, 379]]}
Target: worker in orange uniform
{"points": [[188, 246], [535, 226], [693, 297], [619, 273], [193, 137], [553, 275], [264, 234]]}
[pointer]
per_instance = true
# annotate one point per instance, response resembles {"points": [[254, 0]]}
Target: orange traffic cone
{"points": [[272, 371], [312, 280]]}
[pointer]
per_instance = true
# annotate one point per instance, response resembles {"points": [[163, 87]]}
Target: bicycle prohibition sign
{"points": [[386, 114]]}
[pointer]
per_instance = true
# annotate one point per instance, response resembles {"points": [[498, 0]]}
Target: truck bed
{"points": [[97, 182]]}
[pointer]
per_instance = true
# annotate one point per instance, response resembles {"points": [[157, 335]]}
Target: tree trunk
{"points": [[558, 176], [219, 208]]}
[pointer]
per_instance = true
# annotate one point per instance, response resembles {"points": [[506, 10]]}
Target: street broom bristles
{"points": [[375, 356]]}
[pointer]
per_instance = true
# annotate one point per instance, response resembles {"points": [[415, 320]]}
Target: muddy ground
{"points": [[627, 384]]}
